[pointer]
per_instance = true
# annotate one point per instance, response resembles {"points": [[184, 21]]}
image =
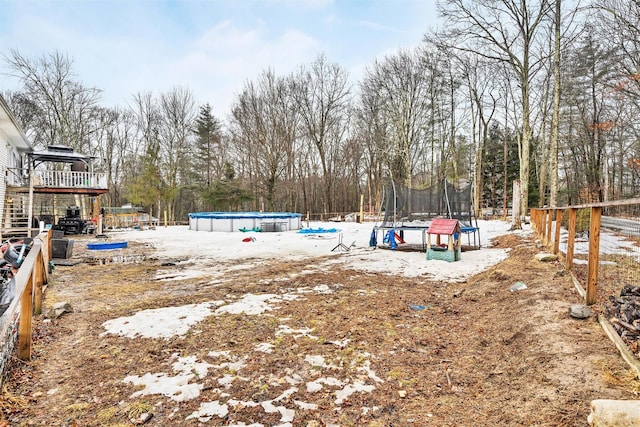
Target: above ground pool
{"points": [[244, 221]]}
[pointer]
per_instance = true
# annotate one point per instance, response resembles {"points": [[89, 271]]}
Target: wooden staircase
{"points": [[15, 215]]}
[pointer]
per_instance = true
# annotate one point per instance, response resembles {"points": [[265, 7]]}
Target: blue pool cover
{"points": [[236, 215]]}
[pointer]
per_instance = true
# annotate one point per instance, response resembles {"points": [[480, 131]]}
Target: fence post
{"points": [[540, 222], [543, 225], [594, 249], [571, 239], [556, 237], [49, 245], [24, 328]]}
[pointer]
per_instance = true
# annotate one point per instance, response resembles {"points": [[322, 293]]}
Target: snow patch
{"points": [[208, 410], [159, 322], [297, 333], [348, 390]]}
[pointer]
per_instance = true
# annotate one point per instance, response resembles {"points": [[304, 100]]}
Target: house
{"points": [[41, 185], [13, 149]]}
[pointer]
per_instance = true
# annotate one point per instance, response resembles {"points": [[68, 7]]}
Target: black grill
{"points": [[72, 223]]}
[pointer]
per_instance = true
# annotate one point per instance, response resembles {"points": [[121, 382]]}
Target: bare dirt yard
{"points": [[329, 347]]}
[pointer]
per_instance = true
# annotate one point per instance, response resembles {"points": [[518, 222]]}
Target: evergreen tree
{"points": [[207, 147], [145, 189], [208, 153], [227, 194], [494, 166]]}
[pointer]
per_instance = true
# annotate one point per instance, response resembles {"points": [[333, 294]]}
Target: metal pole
{"points": [[30, 216]]}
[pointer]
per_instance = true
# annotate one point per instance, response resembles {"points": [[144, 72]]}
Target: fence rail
{"points": [[15, 323], [609, 235]]}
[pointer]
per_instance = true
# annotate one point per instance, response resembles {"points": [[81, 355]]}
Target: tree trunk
{"points": [[555, 118]]}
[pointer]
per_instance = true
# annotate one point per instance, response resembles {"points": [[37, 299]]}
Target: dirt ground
{"points": [[463, 354]]}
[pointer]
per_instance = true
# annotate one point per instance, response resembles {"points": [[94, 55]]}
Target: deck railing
{"points": [[70, 179], [59, 179]]}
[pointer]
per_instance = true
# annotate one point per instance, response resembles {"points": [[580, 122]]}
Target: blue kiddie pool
{"points": [[101, 246], [235, 221]]}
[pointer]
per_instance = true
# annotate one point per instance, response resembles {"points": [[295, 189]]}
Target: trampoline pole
{"points": [[395, 200], [446, 196]]}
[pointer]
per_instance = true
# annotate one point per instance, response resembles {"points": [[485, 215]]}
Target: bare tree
{"points": [[144, 185], [322, 94], [589, 99], [555, 118], [60, 110], [264, 125], [504, 31], [372, 131], [178, 113], [116, 145], [398, 89], [481, 85]]}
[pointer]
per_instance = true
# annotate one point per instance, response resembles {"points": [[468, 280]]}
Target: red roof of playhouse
{"points": [[444, 226]]}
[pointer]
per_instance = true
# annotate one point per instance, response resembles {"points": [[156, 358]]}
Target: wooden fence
{"points": [[15, 323], [547, 223]]}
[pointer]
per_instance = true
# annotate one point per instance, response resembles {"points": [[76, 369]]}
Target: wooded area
{"points": [[544, 91]]}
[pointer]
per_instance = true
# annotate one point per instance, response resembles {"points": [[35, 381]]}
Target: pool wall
{"points": [[234, 221]]}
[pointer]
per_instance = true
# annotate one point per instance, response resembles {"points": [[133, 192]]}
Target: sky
{"points": [[212, 47]]}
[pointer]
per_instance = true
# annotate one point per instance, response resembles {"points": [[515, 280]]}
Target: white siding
{"points": [[4, 163]]}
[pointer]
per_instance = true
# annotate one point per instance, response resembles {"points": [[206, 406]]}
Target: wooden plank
{"points": [[37, 278], [24, 329], [594, 249], [626, 354], [625, 202], [556, 237], [571, 240], [543, 225], [578, 286], [547, 236]]}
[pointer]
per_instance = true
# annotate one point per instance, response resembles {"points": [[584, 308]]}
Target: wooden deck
{"points": [[58, 182]]}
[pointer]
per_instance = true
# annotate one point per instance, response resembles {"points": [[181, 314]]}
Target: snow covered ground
{"points": [[210, 253], [203, 248]]}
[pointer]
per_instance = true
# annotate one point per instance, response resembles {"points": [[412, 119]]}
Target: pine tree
{"points": [[208, 149]]}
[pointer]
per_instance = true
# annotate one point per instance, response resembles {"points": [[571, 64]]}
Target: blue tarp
{"points": [[317, 230]]}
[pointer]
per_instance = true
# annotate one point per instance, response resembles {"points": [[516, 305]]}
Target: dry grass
{"points": [[10, 402], [454, 363]]}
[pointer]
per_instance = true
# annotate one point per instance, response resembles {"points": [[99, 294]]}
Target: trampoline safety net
{"points": [[444, 200]]}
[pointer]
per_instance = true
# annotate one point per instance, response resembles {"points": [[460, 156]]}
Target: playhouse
{"points": [[444, 252]]}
